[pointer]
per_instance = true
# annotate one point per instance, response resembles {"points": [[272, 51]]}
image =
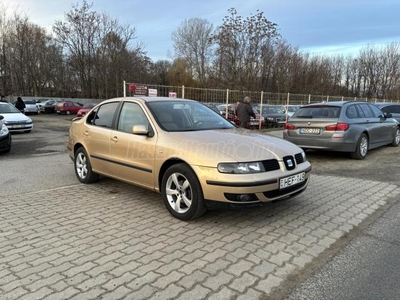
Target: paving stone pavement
{"points": [[114, 241]]}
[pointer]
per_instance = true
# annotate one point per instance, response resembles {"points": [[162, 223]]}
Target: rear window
{"points": [[318, 112]]}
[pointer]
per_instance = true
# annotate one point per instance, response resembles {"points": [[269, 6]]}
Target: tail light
{"points": [[337, 127], [289, 126]]}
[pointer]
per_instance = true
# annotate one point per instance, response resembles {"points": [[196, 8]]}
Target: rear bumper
{"points": [[338, 143]]}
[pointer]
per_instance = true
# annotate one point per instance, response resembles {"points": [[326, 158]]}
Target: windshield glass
{"points": [[88, 105], [273, 110], [7, 108], [186, 116]]}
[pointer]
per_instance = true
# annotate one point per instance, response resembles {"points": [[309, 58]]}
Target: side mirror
{"points": [[142, 130], [1, 117]]}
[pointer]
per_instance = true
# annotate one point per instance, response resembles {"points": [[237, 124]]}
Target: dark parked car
{"points": [[274, 115], [46, 105], [5, 137], [390, 108], [352, 126]]}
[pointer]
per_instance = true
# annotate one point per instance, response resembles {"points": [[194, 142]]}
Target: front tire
{"points": [[362, 147], [396, 138], [83, 168], [182, 193]]}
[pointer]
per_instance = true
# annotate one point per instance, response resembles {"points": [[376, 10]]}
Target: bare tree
{"points": [[240, 47], [192, 41]]}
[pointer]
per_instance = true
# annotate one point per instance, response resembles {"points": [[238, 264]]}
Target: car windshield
{"points": [[186, 116], [29, 102], [272, 110], [88, 105], [7, 108], [293, 108]]}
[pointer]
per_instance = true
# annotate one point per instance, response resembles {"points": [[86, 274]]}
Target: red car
{"points": [[85, 109], [67, 107], [253, 124]]}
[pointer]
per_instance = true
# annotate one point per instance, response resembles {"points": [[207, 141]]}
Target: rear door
{"points": [[98, 137]]}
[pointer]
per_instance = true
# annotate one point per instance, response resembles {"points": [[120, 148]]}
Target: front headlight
{"points": [[304, 156], [241, 168], [3, 129]]}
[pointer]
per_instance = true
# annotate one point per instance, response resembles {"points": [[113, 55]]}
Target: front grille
{"points": [[271, 165], [289, 162], [299, 158]]}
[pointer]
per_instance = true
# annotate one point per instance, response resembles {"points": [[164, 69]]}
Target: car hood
{"points": [[209, 147], [14, 117]]}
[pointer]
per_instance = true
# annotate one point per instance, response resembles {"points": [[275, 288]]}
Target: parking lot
{"points": [[110, 240]]}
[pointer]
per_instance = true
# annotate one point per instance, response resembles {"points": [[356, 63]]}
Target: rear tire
{"points": [[362, 148], [182, 193], [83, 168]]}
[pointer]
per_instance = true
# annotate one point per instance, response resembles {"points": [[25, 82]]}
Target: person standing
{"points": [[244, 111], [20, 104], [3, 99]]}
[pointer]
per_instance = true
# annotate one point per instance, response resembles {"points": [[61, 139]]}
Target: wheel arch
{"points": [[77, 146], [168, 163]]}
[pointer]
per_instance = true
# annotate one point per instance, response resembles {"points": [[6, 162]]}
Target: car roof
{"points": [[382, 104], [334, 103], [149, 99]]}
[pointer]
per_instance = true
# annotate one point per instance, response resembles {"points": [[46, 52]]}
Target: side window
{"points": [[376, 111], [351, 112], [392, 109], [131, 115], [104, 115], [366, 110]]}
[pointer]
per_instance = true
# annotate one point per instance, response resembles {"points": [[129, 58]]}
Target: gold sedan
{"points": [[182, 149]]}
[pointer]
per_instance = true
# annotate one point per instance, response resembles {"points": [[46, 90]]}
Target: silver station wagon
{"points": [[353, 127]]}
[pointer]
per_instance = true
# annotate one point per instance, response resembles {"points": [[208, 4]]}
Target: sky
{"points": [[323, 27]]}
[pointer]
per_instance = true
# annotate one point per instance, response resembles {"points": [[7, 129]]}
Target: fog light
{"points": [[243, 198]]}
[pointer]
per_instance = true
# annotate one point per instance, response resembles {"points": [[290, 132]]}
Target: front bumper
{"points": [[19, 127], [250, 189]]}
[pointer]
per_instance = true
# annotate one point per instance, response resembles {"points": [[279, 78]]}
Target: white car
{"points": [[30, 107], [14, 119]]}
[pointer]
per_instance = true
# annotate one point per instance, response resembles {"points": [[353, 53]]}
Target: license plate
{"points": [[58, 111], [291, 180], [18, 126], [310, 130], [253, 123]]}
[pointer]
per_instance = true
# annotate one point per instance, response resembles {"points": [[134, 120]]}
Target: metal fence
{"points": [[232, 96]]}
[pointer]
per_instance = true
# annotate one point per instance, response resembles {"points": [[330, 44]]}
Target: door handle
{"points": [[115, 139], [86, 133]]}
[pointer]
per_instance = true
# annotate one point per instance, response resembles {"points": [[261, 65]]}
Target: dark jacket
{"points": [[244, 111], [20, 105]]}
